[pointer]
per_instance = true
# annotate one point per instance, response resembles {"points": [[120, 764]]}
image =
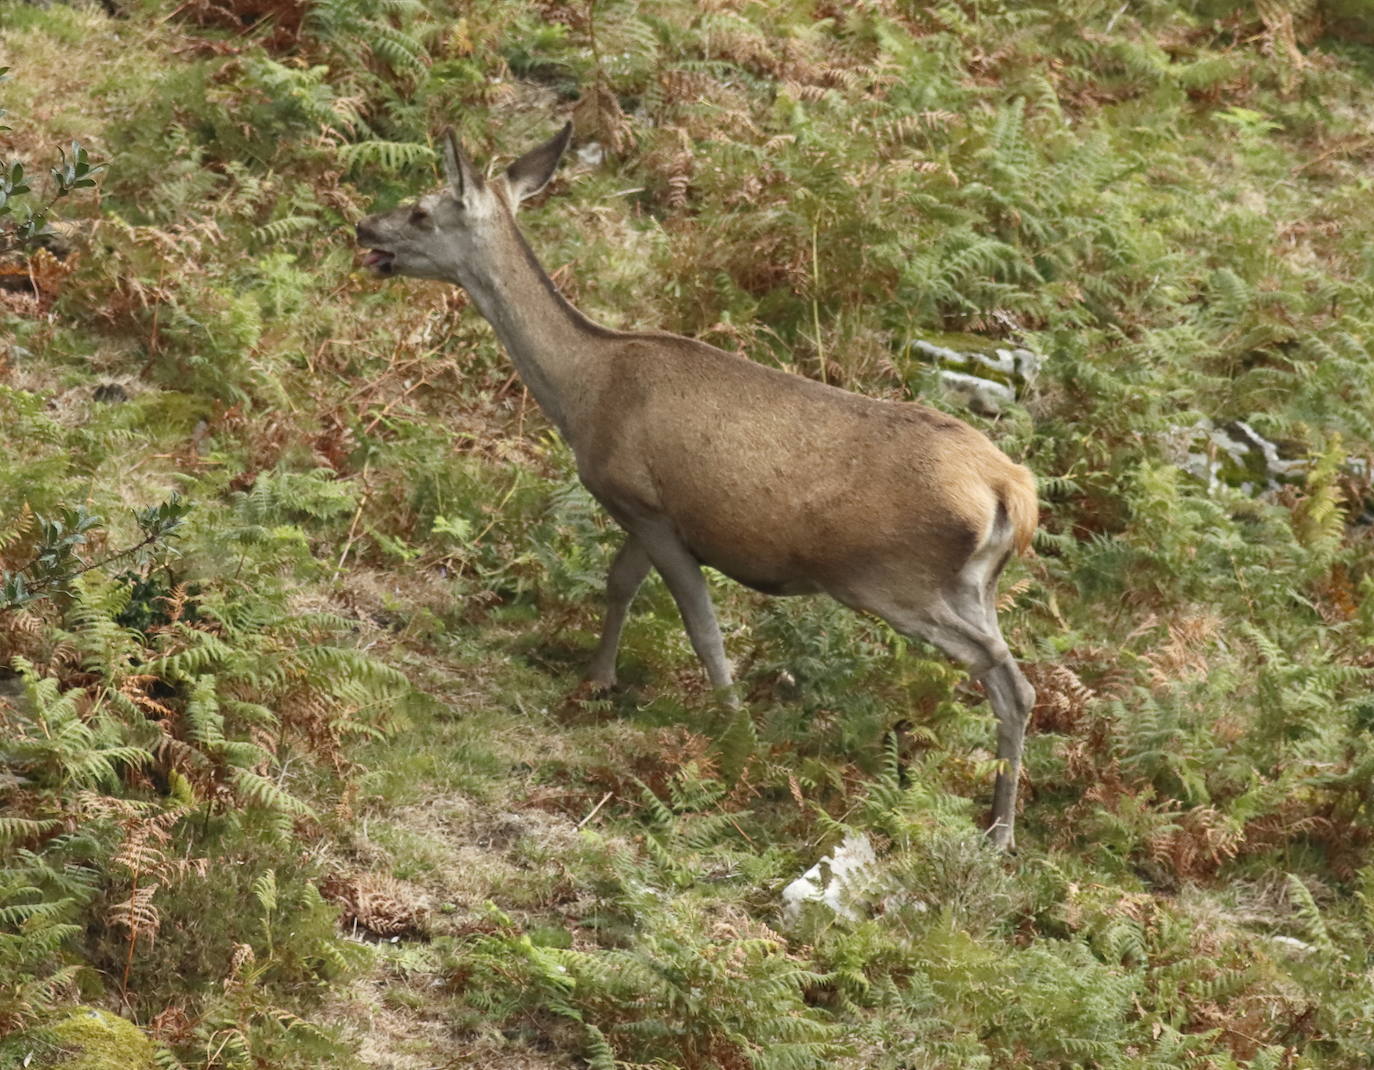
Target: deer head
{"points": [[441, 235]]}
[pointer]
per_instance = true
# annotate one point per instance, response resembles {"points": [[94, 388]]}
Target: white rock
{"points": [[981, 395], [940, 353], [836, 880], [1294, 944]]}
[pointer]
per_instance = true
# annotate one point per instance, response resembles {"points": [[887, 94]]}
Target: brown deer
{"points": [[706, 458]]}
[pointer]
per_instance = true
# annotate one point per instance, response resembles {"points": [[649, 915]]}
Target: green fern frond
{"points": [[737, 745], [399, 49], [391, 156], [256, 790], [24, 828], [1308, 916], [278, 230], [657, 811], [265, 890]]}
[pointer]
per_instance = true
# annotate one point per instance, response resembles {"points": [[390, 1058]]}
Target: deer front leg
{"points": [[682, 574], [627, 572]]}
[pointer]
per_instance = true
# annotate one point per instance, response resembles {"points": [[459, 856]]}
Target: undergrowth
{"points": [[298, 583]]}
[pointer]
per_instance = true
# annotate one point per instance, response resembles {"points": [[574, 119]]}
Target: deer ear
{"points": [[531, 173], [458, 169]]}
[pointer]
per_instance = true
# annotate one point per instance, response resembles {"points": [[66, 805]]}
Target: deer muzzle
{"points": [[375, 259]]}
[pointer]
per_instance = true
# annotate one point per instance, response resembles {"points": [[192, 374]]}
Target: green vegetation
{"points": [[93, 1039], [21, 221], [298, 584]]}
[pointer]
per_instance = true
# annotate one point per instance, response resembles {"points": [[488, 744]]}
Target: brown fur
{"points": [[785, 483], [1023, 506]]}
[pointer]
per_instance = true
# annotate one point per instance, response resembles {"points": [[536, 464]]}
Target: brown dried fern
{"points": [[598, 115], [378, 904], [142, 855], [1062, 699], [1196, 844]]}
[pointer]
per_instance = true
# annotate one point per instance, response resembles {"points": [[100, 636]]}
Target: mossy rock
{"points": [[175, 412], [93, 1039]]}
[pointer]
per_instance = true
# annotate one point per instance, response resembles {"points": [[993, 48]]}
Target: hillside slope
{"points": [[298, 584]]}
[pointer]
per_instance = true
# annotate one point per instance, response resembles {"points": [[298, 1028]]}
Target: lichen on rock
{"points": [[983, 378]]}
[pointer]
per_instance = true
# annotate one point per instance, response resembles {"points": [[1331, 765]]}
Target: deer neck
{"points": [[553, 346]]}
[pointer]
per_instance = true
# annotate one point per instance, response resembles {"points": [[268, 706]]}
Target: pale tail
{"points": [[1022, 504]]}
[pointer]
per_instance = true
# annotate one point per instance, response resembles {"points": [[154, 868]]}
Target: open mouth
{"points": [[379, 260]]}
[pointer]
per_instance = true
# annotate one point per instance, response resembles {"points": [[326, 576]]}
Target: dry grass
{"points": [[48, 98]]}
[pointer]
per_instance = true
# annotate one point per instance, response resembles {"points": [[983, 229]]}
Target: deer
{"points": [[783, 483]]}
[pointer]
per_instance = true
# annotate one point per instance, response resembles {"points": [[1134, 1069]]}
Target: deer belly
{"points": [[754, 567], [782, 588]]}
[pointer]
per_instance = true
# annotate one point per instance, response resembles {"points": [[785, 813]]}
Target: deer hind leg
{"points": [[974, 604], [627, 572], [1012, 699], [962, 623]]}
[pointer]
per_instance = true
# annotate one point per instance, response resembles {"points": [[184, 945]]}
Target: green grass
{"points": [[347, 687]]}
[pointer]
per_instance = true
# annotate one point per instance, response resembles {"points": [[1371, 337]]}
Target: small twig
{"points": [[175, 12], [353, 527], [133, 941], [741, 831], [1363, 143], [597, 808], [393, 368], [496, 515], [154, 341], [816, 301], [422, 381]]}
